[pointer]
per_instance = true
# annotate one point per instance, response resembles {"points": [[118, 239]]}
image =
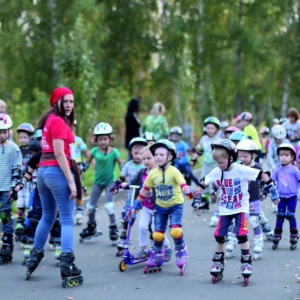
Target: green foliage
{"points": [[170, 51]]}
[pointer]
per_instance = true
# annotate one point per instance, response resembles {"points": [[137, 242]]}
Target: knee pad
{"points": [[5, 217], [90, 208], [290, 215], [33, 223], [242, 239], [220, 239], [262, 218], [176, 232], [254, 221], [158, 236], [109, 207], [281, 216]]}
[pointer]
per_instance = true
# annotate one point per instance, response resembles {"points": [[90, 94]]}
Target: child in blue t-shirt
{"points": [[181, 161]]}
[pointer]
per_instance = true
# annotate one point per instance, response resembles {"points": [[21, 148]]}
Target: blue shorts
{"points": [[162, 215], [241, 225]]}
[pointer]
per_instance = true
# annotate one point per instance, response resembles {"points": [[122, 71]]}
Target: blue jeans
{"points": [[54, 193], [5, 207]]}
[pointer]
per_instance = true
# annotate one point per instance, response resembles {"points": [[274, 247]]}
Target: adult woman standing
{"points": [[157, 122], [132, 121], [56, 184]]}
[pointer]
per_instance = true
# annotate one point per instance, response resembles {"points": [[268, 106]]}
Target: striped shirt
{"points": [[10, 158]]}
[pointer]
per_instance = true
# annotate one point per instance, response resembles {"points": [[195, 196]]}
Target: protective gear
{"points": [[224, 124], [34, 145], [238, 136], [27, 127], [254, 221], [212, 120], [176, 129], [16, 177], [281, 215], [5, 217], [220, 239], [279, 132], [264, 130], [271, 189], [109, 207], [231, 129], [137, 205], [158, 236], [149, 136], [90, 208], [38, 134], [287, 146], [102, 129], [5, 121], [242, 239], [282, 120], [165, 144], [228, 145], [290, 215], [85, 166], [246, 116], [137, 140], [176, 232], [247, 145]]}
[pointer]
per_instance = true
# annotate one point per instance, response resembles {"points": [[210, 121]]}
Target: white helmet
{"points": [[5, 121], [279, 132], [287, 146], [102, 129], [176, 129], [247, 145]]}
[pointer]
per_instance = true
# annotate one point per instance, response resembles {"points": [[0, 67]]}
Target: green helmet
{"points": [[238, 136], [165, 144], [212, 120]]}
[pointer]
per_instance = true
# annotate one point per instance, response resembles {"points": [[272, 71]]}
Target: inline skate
{"points": [[70, 274], [258, 247], [113, 234], [214, 221], [181, 259], [7, 249], [36, 255], [89, 232], [230, 245], [122, 244], [267, 231], [246, 267], [168, 254], [19, 229], [155, 262], [218, 267], [293, 238], [276, 238], [79, 214]]}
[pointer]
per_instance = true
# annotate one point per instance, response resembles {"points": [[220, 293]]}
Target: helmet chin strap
{"points": [[228, 165], [163, 167]]}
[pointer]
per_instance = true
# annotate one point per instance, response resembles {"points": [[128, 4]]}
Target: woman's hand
{"points": [[73, 190]]}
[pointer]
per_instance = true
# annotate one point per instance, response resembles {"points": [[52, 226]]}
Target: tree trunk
{"points": [[53, 24], [200, 63], [285, 96], [239, 60]]}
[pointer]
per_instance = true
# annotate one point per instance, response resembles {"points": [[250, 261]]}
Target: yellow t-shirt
{"points": [[251, 132], [168, 193]]}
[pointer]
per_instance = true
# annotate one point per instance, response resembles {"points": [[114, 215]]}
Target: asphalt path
{"points": [[274, 275]]}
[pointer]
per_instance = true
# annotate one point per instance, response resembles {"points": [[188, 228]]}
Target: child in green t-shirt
{"points": [[105, 158]]}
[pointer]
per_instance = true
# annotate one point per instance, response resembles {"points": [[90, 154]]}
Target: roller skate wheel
{"points": [[181, 272], [214, 279], [122, 266], [80, 280], [274, 247], [145, 270], [118, 253], [246, 281], [81, 240], [64, 283]]}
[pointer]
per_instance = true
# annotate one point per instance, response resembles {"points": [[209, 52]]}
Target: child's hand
{"points": [[196, 204], [123, 185], [276, 201], [197, 192]]}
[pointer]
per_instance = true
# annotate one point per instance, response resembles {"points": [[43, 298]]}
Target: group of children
{"points": [[230, 174]]}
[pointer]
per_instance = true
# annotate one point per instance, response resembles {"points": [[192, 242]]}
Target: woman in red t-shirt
{"points": [[56, 184]]}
